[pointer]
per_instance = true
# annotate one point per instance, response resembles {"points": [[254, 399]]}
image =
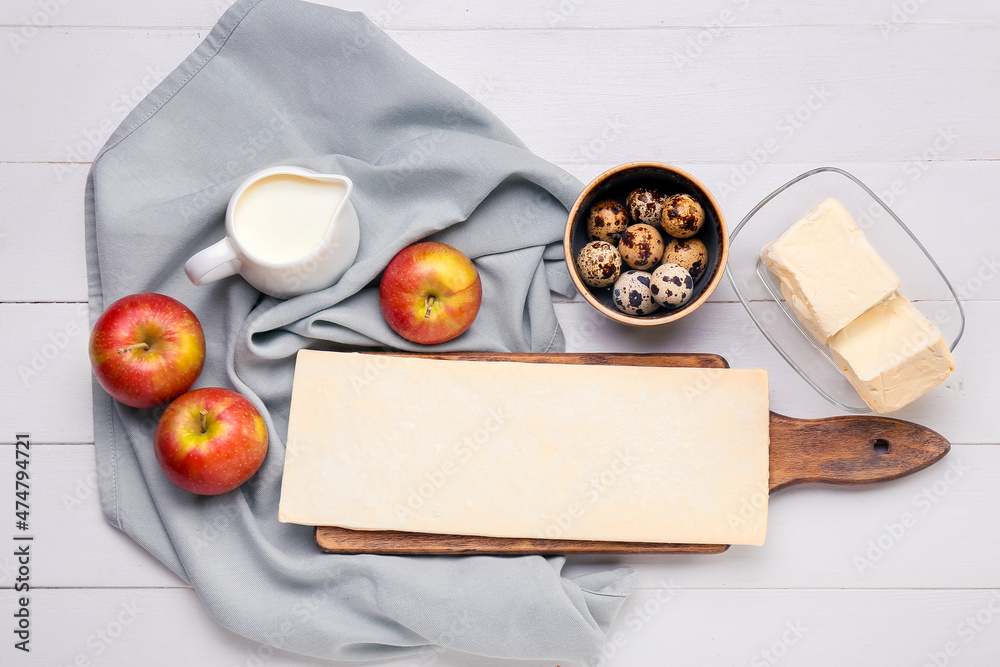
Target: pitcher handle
{"points": [[215, 262]]}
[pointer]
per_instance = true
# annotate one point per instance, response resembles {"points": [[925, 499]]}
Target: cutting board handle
{"points": [[849, 450]]}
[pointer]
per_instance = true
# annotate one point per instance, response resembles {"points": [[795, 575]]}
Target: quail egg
{"points": [[671, 285], [607, 221], [645, 205], [689, 253], [632, 294], [682, 216], [641, 247], [599, 263]]}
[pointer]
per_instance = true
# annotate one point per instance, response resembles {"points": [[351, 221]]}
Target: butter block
{"points": [[892, 354], [829, 273]]}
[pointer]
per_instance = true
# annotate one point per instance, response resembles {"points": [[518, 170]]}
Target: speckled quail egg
{"points": [[599, 264], [645, 205], [682, 216], [689, 253], [632, 294], [671, 285], [641, 247], [607, 221]]}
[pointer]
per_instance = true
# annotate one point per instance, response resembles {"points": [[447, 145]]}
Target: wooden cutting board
{"points": [[834, 450]]}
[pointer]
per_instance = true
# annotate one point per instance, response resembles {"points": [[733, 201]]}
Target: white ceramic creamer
{"points": [[289, 231]]}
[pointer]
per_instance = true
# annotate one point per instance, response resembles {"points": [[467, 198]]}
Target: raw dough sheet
{"points": [[510, 449]]}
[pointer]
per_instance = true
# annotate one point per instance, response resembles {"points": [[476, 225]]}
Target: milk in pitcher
{"points": [[284, 217]]}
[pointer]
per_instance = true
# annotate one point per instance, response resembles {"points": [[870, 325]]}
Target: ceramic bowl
{"points": [[616, 184]]}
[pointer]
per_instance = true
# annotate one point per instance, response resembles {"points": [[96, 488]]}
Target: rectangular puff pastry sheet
{"points": [[510, 449]]}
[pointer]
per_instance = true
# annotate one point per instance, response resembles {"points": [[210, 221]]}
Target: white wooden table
{"points": [[743, 93]]}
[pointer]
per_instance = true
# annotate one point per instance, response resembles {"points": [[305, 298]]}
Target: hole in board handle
{"points": [[881, 446]]}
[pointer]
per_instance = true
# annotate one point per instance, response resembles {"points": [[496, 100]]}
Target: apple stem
{"points": [[204, 421], [137, 346], [430, 302]]}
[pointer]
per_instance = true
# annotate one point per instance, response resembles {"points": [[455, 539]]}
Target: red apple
{"points": [[430, 293], [210, 440], [147, 349]]}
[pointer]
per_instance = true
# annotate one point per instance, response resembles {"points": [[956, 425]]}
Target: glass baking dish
{"points": [[921, 280]]}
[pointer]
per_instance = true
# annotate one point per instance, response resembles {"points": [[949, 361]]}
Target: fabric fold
{"points": [[288, 82]]}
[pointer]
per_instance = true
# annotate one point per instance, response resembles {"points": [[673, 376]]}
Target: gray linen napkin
{"points": [[286, 82]]}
